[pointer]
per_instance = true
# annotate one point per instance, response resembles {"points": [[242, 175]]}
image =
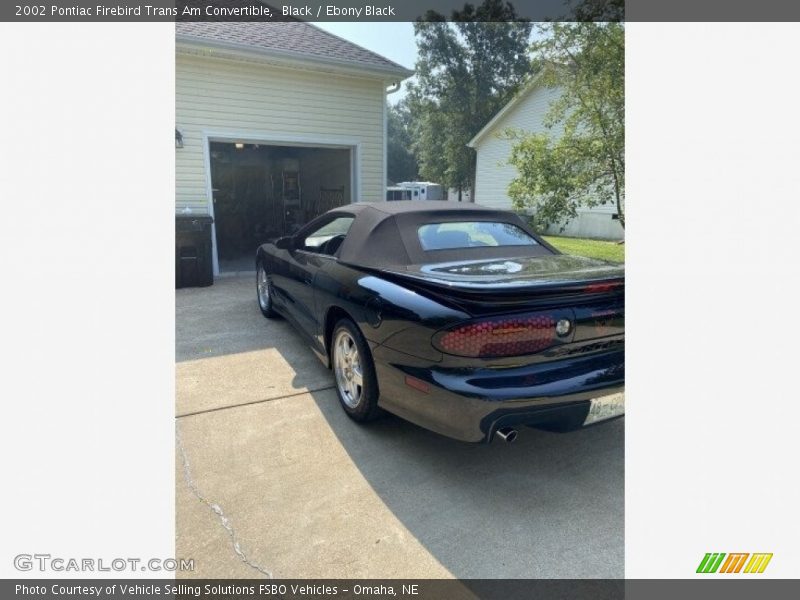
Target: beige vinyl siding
{"points": [[271, 103], [493, 173]]}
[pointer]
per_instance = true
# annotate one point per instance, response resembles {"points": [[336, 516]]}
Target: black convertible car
{"points": [[453, 316]]}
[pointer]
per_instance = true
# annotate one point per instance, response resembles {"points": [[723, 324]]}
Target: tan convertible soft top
{"points": [[385, 234]]}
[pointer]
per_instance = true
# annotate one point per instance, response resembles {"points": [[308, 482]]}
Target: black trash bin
{"points": [[193, 262]]}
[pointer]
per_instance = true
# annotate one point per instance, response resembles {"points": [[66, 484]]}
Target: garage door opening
{"points": [[264, 191]]}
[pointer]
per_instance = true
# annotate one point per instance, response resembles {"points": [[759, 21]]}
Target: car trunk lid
{"points": [[524, 280], [516, 303]]}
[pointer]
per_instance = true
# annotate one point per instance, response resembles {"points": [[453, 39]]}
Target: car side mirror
{"points": [[285, 243]]}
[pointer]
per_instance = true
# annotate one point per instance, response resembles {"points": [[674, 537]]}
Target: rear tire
{"points": [[264, 292], [354, 372]]}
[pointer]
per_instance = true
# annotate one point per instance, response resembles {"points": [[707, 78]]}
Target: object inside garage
{"points": [[264, 191]]}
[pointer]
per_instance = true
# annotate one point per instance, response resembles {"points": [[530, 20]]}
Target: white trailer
{"points": [[423, 190]]}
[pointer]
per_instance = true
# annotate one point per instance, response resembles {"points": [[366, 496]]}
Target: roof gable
{"points": [[292, 40], [533, 84]]}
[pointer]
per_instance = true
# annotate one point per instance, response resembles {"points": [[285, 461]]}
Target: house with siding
{"points": [[275, 123], [526, 112]]}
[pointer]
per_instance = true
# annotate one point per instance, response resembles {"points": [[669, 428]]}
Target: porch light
{"points": [[239, 145], [178, 139]]}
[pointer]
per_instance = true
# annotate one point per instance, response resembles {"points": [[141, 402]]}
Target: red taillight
{"points": [[499, 336], [602, 288]]}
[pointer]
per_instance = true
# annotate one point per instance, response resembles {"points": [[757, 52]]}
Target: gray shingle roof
{"points": [[294, 37]]}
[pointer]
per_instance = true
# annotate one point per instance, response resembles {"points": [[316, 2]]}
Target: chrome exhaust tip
{"points": [[507, 434]]}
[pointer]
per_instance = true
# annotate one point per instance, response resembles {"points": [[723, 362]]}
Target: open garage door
{"points": [[264, 191]]}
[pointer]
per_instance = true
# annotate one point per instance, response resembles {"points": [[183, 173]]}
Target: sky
{"points": [[395, 41]]}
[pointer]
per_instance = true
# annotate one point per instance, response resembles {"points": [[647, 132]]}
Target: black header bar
{"points": [[390, 10]]}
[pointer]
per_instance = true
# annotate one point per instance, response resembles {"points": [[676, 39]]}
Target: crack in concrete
{"points": [[215, 508], [292, 395]]}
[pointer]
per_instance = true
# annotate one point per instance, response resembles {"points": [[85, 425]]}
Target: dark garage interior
{"points": [[264, 191]]}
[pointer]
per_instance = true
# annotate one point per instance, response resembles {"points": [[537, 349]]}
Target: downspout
{"points": [[386, 92]]}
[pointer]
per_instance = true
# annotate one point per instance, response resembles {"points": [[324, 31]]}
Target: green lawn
{"points": [[591, 248]]}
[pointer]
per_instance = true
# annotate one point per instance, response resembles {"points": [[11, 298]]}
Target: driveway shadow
{"points": [[223, 319], [227, 354], [548, 506]]}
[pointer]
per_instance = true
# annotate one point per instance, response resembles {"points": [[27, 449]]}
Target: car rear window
{"points": [[472, 234]]}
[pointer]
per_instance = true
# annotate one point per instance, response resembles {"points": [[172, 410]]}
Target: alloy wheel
{"points": [[348, 370]]}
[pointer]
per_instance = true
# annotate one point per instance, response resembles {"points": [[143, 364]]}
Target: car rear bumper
{"points": [[472, 404]]}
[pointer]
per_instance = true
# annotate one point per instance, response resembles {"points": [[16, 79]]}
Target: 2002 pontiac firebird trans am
{"points": [[453, 316]]}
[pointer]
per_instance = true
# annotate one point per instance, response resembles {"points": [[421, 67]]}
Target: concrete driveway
{"points": [[273, 479]]}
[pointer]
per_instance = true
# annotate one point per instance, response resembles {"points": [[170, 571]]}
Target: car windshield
{"points": [[470, 234]]}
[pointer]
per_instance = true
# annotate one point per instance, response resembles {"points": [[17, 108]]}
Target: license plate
{"points": [[605, 407]]}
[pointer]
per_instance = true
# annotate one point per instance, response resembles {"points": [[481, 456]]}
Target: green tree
{"points": [[595, 10], [401, 163], [466, 71], [584, 165]]}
